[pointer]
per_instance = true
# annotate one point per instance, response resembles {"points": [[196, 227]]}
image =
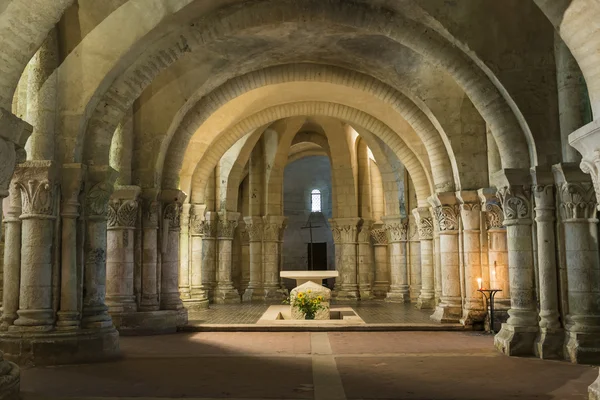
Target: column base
{"points": [[366, 294], [380, 290], [516, 340], [445, 313], [275, 293], [120, 305], [52, 348], [149, 303], [426, 303], [594, 390], [253, 294], [150, 323], [67, 320], [96, 317], [195, 304], [549, 344], [473, 317], [171, 301], [185, 293], [397, 297], [348, 294], [582, 348], [10, 381], [227, 295]]}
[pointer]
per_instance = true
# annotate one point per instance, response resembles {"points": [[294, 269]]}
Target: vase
{"points": [[309, 316]]}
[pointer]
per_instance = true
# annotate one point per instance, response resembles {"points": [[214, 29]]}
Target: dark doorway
{"points": [[320, 256]]}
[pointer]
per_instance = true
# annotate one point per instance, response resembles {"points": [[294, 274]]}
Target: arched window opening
{"points": [[315, 200]]}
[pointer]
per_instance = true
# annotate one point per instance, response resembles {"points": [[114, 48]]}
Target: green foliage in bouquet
{"points": [[307, 303]]}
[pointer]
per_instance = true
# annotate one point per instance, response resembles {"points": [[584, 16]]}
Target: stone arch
{"points": [[516, 147]]}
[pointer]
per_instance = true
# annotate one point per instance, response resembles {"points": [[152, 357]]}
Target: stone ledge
{"points": [[150, 322], [54, 348]]}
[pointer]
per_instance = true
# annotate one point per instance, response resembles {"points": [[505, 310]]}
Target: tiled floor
{"points": [[373, 312], [304, 365]]}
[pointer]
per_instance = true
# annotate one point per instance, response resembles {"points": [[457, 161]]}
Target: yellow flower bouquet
{"points": [[307, 303]]}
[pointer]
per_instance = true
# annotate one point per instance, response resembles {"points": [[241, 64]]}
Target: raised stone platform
{"points": [[283, 315], [150, 322], [60, 347]]}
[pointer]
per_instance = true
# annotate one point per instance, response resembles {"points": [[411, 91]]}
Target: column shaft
{"points": [[169, 288], [345, 231], [225, 292], [381, 285], [150, 216], [397, 236], [365, 261], [184, 254], [12, 260]]}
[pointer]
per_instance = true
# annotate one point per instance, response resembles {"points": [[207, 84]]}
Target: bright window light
{"points": [[316, 201]]}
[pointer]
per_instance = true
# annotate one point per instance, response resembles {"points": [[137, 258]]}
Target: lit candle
{"points": [[479, 283]]}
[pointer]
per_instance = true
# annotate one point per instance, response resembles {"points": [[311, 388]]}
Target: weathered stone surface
{"points": [[316, 290]]}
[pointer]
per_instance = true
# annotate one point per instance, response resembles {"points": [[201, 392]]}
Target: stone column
{"points": [[365, 260], [470, 213], [397, 236], [345, 234], [99, 189], [424, 222], [12, 257], [437, 261], [549, 343], [150, 217], [169, 287], [209, 254], [414, 260], [69, 316], [445, 209], [225, 292], [518, 334], [198, 292], [12, 139], [184, 254], [273, 226], [122, 218], [255, 291], [381, 284], [497, 252], [579, 218], [245, 259], [37, 182]]}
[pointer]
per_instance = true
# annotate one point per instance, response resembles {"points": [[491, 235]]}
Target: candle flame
{"points": [[479, 283]]}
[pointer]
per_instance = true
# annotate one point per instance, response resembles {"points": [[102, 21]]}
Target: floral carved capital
{"points": [[172, 213], [96, 200], [122, 213], [577, 200], [425, 228], [379, 236], [447, 217], [515, 202], [396, 231]]}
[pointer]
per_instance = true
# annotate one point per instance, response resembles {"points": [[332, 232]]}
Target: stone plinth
{"points": [[316, 290], [150, 322]]}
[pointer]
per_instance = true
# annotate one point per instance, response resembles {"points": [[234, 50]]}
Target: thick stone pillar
{"points": [[345, 235], [446, 211], [9, 372], [549, 342], [150, 245], [579, 218], [122, 219], [12, 258], [184, 254], [497, 253], [424, 223], [517, 335], [365, 261], [255, 290], [245, 259], [209, 254], [397, 237], [437, 262], [225, 292], [470, 213], [99, 190], [273, 228], [37, 182], [414, 260], [381, 285], [199, 292], [69, 316], [169, 271]]}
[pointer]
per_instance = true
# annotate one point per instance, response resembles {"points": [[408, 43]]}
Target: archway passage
{"points": [[163, 162]]}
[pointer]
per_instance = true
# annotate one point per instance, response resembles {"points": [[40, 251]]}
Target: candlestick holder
{"points": [[489, 294]]}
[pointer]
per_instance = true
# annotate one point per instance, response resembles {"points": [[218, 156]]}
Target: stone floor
{"points": [[304, 365], [370, 312]]}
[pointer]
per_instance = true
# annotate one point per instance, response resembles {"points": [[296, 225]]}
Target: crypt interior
{"points": [[163, 162]]}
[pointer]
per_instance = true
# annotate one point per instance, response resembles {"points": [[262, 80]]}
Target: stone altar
{"points": [[305, 276], [316, 290]]}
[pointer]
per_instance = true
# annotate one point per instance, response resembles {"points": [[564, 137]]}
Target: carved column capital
{"points": [[424, 223], [490, 203], [254, 228], [273, 228], [446, 211], [99, 188], [172, 200], [470, 210], [208, 225], [516, 204], [364, 235], [345, 230], [576, 193], [123, 207], [396, 229], [227, 223], [586, 140], [379, 236], [36, 180]]}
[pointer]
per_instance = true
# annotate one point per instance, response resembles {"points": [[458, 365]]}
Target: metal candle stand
{"points": [[489, 294]]}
